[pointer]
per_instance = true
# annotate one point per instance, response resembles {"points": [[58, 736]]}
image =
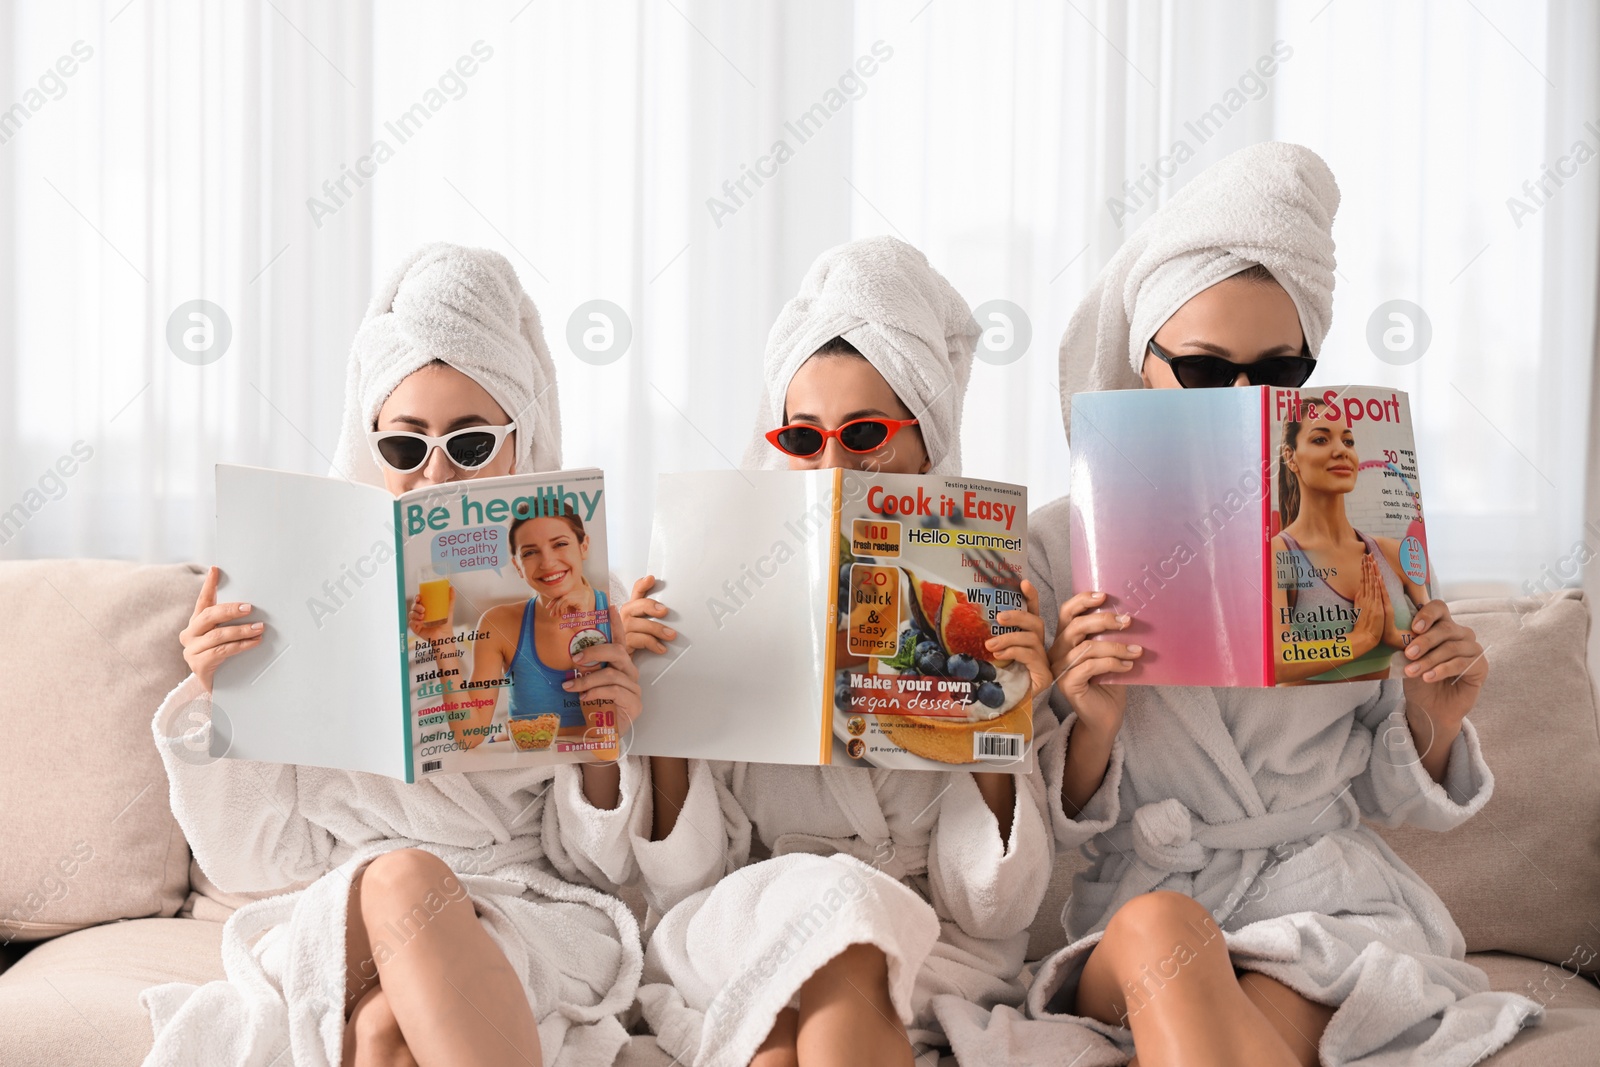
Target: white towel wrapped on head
{"points": [[466, 307], [881, 295], [1270, 203]]}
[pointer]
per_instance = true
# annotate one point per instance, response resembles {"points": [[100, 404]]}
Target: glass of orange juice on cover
{"points": [[435, 597]]}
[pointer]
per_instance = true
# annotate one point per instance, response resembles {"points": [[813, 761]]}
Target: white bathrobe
{"points": [[1249, 801], [263, 826], [909, 861]]}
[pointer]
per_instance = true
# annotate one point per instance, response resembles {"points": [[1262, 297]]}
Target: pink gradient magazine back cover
{"points": [[1258, 536]]}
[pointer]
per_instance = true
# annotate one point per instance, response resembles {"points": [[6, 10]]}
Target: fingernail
{"points": [[566, 685], [1123, 619], [243, 608], [1098, 596], [1135, 648], [255, 626], [578, 658], [1411, 668], [670, 632], [1429, 676]]}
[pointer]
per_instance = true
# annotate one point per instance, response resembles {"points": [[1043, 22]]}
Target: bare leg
{"points": [[778, 1049], [372, 1037], [1299, 1021], [414, 934], [846, 1016], [1162, 969]]}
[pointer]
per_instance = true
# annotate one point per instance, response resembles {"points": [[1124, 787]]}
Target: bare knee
{"points": [[373, 1035], [410, 876], [1156, 923]]}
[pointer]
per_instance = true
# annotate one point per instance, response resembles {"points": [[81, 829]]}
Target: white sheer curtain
{"points": [[172, 165], [627, 151]]}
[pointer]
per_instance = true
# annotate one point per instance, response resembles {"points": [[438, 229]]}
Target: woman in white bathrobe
{"points": [[1237, 911], [810, 914], [423, 923]]}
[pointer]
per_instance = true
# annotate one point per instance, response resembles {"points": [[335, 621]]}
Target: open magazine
{"points": [[1258, 536], [413, 635], [837, 617]]}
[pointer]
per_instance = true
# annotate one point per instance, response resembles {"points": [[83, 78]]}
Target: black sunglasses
{"points": [[1211, 372]]}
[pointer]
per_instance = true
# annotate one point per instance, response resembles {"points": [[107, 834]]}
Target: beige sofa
{"points": [[99, 898]]}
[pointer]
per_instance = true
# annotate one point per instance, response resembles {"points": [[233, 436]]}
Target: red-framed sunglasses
{"points": [[803, 440]]}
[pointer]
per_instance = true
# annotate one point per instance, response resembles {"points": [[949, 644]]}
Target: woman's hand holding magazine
{"points": [[669, 775], [1075, 662], [206, 642], [643, 630], [606, 672]]}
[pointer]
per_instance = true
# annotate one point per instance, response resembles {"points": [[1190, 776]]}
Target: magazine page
{"points": [[315, 557], [505, 579], [1168, 500], [924, 564], [744, 559], [1349, 552]]}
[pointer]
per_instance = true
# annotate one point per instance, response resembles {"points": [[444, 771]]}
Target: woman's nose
{"points": [[835, 454], [1241, 379], [437, 468]]}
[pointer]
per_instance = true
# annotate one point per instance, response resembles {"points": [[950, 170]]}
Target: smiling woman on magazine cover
{"points": [[1337, 571], [532, 641]]}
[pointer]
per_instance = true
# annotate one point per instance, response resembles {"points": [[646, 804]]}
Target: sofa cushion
{"points": [[1548, 983], [1523, 875], [208, 902], [96, 642], [75, 999]]}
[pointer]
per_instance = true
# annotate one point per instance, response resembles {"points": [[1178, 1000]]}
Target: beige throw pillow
{"points": [[90, 648], [1523, 875]]}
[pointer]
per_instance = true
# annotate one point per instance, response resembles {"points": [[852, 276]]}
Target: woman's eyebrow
{"points": [[800, 416], [1219, 350], [454, 424]]}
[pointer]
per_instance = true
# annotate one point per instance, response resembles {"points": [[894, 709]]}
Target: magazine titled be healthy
{"points": [[837, 617], [1257, 536], [414, 635]]}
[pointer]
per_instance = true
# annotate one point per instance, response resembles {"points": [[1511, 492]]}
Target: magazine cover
{"points": [[1257, 536], [440, 624], [861, 603], [506, 580]]}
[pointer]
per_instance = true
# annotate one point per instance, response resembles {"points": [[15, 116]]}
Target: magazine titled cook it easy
{"points": [[415, 635], [837, 617], [1258, 536]]}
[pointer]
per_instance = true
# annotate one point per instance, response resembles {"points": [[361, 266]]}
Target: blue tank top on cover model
{"points": [[535, 687]]}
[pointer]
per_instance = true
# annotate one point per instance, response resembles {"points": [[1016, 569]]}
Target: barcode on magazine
{"points": [[431, 765], [997, 746]]}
